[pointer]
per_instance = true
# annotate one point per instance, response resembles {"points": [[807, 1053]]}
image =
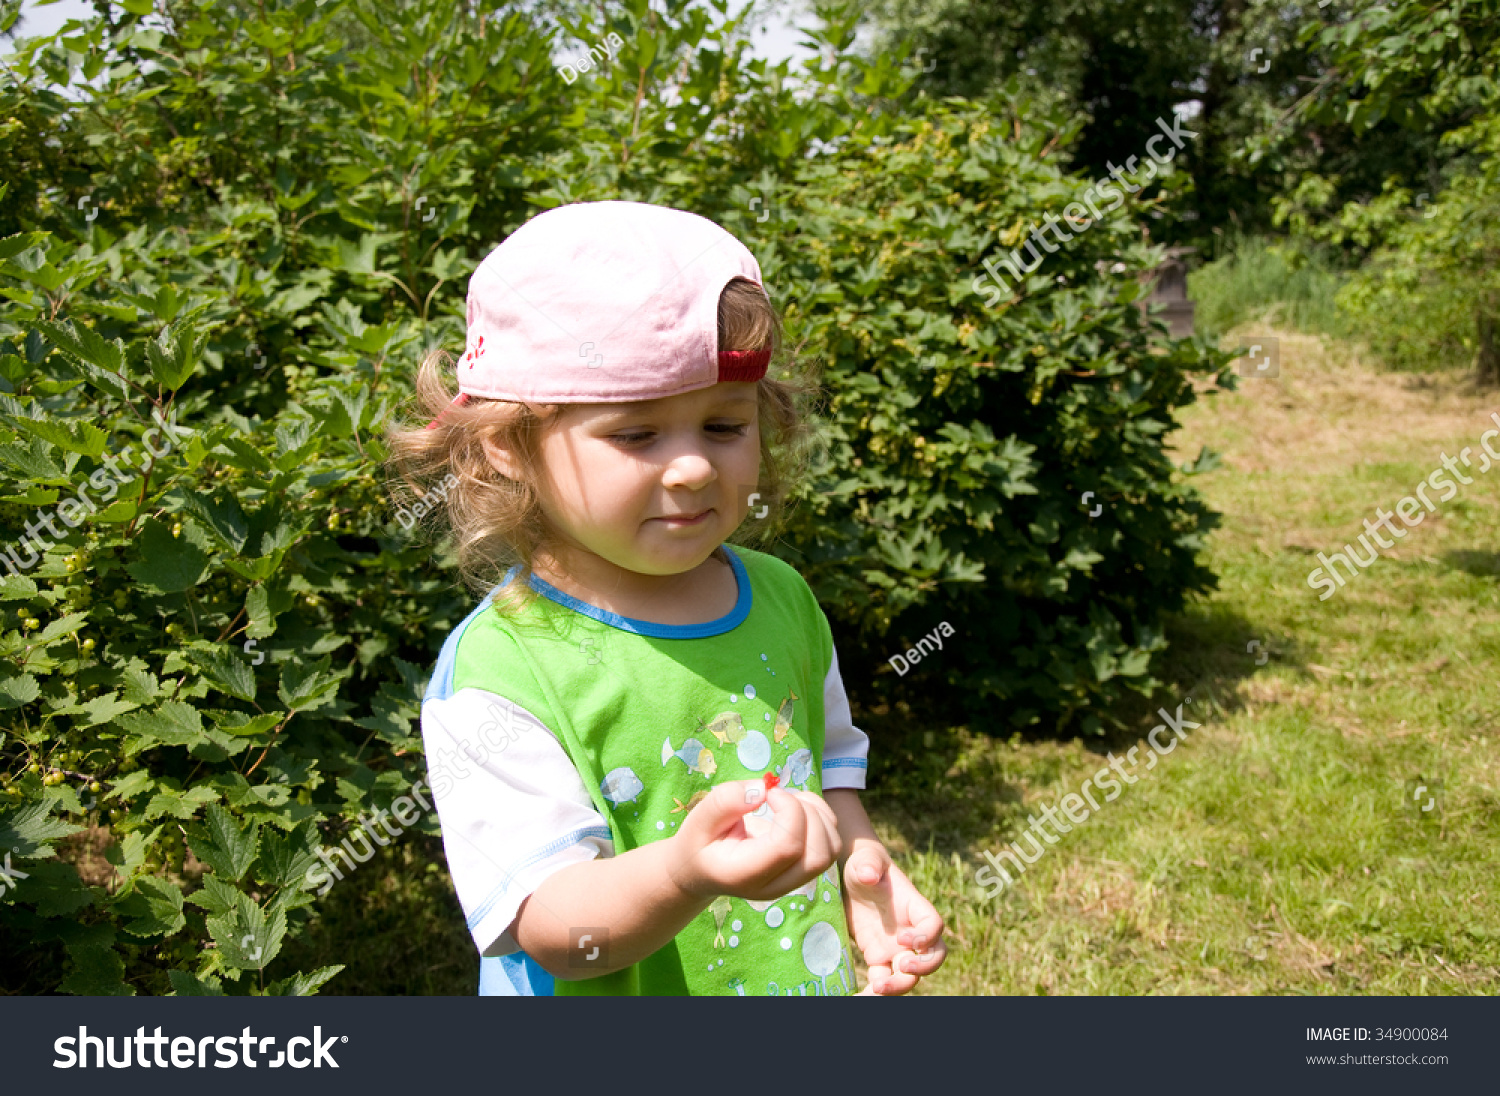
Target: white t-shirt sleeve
{"points": [[845, 746], [512, 807]]}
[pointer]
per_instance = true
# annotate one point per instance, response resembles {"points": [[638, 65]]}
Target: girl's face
{"points": [[653, 487]]}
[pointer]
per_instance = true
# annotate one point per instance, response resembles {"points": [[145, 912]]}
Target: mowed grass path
{"points": [[1279, 849]]}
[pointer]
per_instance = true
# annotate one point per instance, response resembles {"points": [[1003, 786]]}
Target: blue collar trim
{"points": [[727, 623]]}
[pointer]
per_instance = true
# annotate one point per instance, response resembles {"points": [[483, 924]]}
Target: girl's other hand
{"points": [[724, 851], [894, 926]]}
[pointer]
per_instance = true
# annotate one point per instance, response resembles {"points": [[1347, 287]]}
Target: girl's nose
{"points": [[689, 469]]}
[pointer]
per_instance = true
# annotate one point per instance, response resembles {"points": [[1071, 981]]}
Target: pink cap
{"points": [[605, 302]]}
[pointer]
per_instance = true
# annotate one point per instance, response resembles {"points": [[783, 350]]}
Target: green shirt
{"points": [[652, 716]]}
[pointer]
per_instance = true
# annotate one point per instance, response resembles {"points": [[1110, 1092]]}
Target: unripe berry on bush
{"points": [[31, 624], [95, 787], [88, 645], [177, 529]]}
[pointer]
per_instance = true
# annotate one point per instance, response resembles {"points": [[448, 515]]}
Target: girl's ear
{"points": [[505, 461]]}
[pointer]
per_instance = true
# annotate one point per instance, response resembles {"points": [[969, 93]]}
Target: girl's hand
{"points": [[723, 852], [898, 931]]}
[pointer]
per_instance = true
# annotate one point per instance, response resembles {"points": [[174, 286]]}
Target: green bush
{"points": [[962, 438], [216, 669]]}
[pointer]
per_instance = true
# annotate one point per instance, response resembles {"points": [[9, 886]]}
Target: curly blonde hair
{"points": [[497, 522]]}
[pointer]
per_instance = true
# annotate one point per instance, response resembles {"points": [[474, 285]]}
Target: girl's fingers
{"points": [[926, 929], [886, 982], [924, 963], [867, 867]]}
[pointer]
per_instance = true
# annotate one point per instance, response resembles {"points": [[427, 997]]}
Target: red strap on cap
{"points": [[743, 365], [457, 401]]}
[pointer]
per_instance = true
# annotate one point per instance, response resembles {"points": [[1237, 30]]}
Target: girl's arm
{"points": [[644, 897], [854, 823], [637, 896]]}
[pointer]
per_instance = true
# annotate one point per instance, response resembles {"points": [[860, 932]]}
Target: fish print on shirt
{"points": [[794, 925], [694, 754]]}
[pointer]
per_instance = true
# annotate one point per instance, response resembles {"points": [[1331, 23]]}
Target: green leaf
{"points": [[183, 983], [97, 971], [140, 684], [60, 628], [17, 690], [226, 672], [248, 939], [172, 724], [285, 857], [303, 983], [34, 462], [172, 356], [11, 246], [308, 685], [85, 345], [216, 896], [221, 844], [28, 830], [129, 786], [181, 805], [244, 723], [222, 515], [169, 565], [130, 853], [265, 604], [152, 908], [17, 588], [241, 454], [53, 889], [102, 709], [74, 436]]}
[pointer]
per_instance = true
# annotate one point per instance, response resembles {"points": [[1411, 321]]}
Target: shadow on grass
{"points": [[943, 798], [1479, 564]]}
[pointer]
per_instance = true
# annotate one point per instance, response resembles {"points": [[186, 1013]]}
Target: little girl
{"points": [[639, 743]]}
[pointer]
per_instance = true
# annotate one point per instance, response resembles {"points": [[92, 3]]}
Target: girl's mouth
{"points": [[684, 520]]}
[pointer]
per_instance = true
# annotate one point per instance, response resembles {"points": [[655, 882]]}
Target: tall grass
{"points": [[1288, 284]]}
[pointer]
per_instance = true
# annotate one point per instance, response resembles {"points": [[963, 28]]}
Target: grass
{"points": [[1278, 849], [1287, 283]]}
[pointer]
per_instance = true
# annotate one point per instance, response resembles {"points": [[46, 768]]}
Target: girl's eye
{"points": [[640, 437]]}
